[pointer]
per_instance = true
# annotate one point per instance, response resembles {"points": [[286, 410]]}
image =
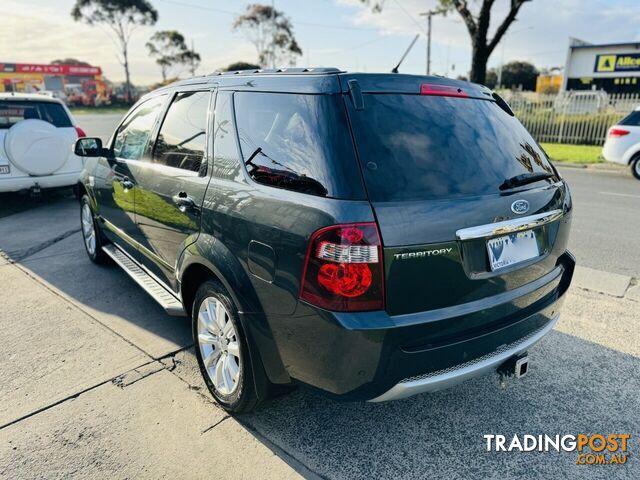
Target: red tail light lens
{"points": [[343, 269], [80, 132], [618, 132], [442, 90]]}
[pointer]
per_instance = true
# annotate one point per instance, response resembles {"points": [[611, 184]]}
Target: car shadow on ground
{"points": [[16, 202], [575, 386], [103, 291]]}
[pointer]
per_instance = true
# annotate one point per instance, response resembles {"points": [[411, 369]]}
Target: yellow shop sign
{"points": [[622, 62]]}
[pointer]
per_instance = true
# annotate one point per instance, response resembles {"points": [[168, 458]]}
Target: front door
{"points": [[171, 186], [115, 181]]}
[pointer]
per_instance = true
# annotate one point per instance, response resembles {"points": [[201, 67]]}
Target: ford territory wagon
{"points": [[371, 236]]}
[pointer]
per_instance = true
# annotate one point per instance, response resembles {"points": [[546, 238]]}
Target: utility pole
{"points": [[429, 14]]}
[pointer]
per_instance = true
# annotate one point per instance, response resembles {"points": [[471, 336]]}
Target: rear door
{"points": [[433, 166], [116, 178], [171, 185]]}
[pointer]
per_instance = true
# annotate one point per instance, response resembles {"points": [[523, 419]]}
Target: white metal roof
{"points": [[28, 97]]}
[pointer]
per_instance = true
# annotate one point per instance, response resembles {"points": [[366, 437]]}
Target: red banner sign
{"points": [[50, 69]]}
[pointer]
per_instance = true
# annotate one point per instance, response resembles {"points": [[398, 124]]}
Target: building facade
{"points": [[613, 67]]}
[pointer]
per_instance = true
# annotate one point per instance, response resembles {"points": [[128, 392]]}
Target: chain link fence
{"points": [[581, 117]]}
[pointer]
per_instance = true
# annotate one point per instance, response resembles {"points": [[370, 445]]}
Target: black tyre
{"points": [[635, 167], [222, 350], [91, 234]]}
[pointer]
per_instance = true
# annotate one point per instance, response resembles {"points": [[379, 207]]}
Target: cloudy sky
{"points": [[338, 33]]}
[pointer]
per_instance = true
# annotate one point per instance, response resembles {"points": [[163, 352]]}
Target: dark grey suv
{"points": [[372, 236]]}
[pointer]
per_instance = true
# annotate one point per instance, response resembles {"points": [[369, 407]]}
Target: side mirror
{"points": [[89, 147]]}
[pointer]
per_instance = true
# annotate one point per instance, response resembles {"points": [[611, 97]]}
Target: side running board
{"points": [[167, 300]]}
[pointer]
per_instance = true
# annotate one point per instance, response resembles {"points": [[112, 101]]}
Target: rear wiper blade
{"points": [[525, 179]]}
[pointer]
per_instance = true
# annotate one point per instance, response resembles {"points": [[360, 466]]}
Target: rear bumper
{"points": [[615, 151], [441, 379], [15, 184], [374, 356]]}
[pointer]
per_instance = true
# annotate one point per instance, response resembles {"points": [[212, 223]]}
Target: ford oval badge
{"points": [[520, 207]]}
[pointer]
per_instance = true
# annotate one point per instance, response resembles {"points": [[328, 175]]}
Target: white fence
{"points": [[573, 117]]}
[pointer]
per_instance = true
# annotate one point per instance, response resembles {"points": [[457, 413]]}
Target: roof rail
{"points": [[285, 71]]}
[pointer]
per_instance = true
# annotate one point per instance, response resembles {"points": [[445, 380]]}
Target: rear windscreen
{"points": [[299, 143], [12, 112], [416, 147], [632, 120]]}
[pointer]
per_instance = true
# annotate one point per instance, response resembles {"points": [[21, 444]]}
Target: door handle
{"points": [[183, 201], [126, 183]]}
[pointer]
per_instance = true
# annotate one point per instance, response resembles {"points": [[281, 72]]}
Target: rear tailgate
{"points": [[433, 166]]}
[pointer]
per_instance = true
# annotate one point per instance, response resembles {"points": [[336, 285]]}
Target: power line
{"points": [[413, 19]]}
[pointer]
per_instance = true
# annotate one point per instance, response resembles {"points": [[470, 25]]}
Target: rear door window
{"points": [[631, 120], [416, 147], [133, 135], [182, 138], [12, 112], [298, 142]]}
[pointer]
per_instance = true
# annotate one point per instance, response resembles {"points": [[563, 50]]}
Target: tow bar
{"points": [[34, 192], [516, 366]]}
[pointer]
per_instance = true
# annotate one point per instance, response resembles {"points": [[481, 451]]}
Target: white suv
{"points": [[37, 134], [623, 142]]}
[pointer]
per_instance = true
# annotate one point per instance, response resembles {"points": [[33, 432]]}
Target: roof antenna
{"points": [[413, 42]]}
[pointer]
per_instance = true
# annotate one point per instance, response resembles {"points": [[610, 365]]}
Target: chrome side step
{"points": [[167, 300]]}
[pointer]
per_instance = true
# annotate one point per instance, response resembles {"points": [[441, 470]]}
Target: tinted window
{"points": [[133, 134], [633, 119], [298, 142], [181, 141], [226, 157], [417, 147], [11, 112]]}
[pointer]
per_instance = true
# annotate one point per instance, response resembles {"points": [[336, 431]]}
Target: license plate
{"points": [[4, 169], [511, 249]]}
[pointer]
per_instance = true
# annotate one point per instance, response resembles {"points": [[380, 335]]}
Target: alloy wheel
{"points": [[219, 346], [88, 229]]}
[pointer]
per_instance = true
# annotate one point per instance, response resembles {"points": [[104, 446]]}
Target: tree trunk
{"points": [[479, 58], [127, 76]]}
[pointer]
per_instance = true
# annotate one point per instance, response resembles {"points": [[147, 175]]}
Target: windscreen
{"points": [[415, 147], [12, 112]]}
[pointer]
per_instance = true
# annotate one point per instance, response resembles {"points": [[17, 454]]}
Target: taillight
{"points": [[80, 132], [343, 268], [618, 132], [442, 90]]}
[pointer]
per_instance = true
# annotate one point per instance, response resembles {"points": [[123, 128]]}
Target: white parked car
{"points": [[623, 142], [37, 134]]}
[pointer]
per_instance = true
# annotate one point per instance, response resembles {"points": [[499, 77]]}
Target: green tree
{"points": [[491, 79], [122, 17], [477, 23], [271, 32], [170, 50], [516, 74], [241, 66], [69, 61]]}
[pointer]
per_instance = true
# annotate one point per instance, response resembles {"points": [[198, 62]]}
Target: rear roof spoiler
{"points": [[412, 84]]}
